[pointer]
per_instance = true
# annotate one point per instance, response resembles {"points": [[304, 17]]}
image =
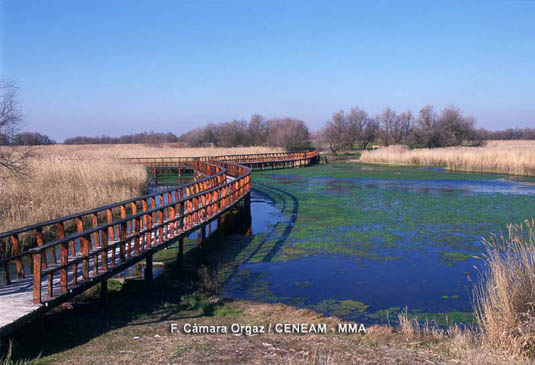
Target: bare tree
{"points": [[13, 161], [401, 127], [449, 128], [10, 114], [330, 135], [386, 120], [356, 121], [257, 130], [290, 133], [370, 133], [427, 132], [457, 127], [335, 132], [343, 130]]}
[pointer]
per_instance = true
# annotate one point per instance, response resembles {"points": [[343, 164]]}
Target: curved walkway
{"points": [[73, 253]]}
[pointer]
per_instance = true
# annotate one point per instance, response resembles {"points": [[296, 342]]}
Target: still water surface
{"points": [[364, 241]]}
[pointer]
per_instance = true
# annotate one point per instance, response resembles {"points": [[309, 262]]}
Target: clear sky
{"points": [[115, 67]]}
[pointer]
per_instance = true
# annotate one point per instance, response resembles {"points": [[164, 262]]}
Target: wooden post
{"points": [[105, 250], [96, 243], [37, 278], [203, 235], [221, 223], [39, 238], [6, 272], [84, 242], [180, 253], [148, 268], [247, 200], [122, 244], [160, 219], [171, 226], [64, 260], [103, 290], [18, 261], [145, 242], [136, 222], [111, 234]]}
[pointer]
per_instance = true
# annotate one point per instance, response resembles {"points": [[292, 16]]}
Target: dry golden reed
{"points": [[141, 150], [55, 187], [505, 298], [65, 179], [510, 157]]}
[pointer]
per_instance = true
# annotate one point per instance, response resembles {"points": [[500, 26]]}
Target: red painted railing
{"points": [[70, 254]]}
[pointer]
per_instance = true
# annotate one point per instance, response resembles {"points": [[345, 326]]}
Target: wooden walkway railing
{"points": [[252, 160], [70, 254]]}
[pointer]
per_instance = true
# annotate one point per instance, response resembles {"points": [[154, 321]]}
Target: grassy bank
{"points": [[134, 328], [148, 340], [63, 180], [510, 157]]}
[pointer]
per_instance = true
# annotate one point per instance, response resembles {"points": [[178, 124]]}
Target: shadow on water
{"points": [[134, 302], [227, 252], [293, 211]]}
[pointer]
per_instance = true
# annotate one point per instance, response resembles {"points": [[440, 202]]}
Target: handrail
{"points": [[128, 228], [235, 157], [91, 211], [123, 220]]}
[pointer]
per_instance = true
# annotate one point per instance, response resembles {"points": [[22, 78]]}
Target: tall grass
{"points": [[56, 187], [511, 157], [67, 179], [504, 305], [505, 299], [107, 151]]}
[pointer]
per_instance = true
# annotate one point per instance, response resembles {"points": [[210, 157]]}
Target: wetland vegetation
{"points": [[378, 244], [507, 157], [361, 240]]}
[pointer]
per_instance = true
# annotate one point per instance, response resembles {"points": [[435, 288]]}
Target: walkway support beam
{"points": [[148, 268]]}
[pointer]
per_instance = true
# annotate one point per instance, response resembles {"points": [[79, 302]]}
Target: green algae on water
{"points": [[344, 308]]}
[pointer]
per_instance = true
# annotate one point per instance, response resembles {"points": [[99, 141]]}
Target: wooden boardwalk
{"points": [[71, 254]]}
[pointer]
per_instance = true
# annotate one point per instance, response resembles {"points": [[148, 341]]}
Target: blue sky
{"points": [[115, 67]]}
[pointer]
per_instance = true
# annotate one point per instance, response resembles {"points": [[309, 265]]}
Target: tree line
{"points": [[507, 134], [344, 130], [289, 133], [26, 139], [429, 129], [140, 138]]}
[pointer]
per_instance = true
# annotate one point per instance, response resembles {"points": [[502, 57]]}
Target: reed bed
{"points": [[505, 298], [461, 344], [140, 150], [64, 179], [55, 187], [509, 157]]}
